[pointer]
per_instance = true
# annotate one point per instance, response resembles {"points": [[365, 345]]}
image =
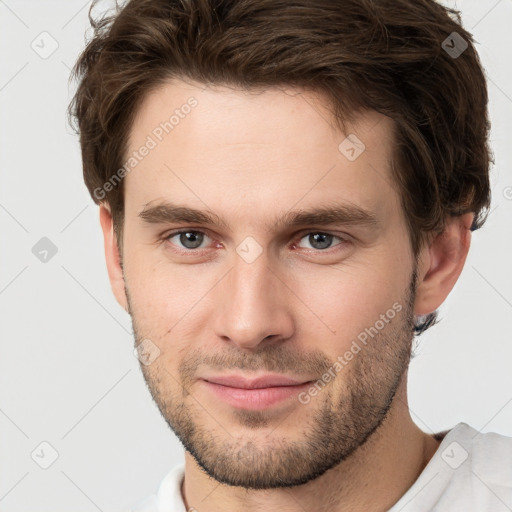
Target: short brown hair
{"points": [[391, 56]]}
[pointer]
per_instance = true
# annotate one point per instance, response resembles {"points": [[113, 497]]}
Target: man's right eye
{"points": [[188, 239]]}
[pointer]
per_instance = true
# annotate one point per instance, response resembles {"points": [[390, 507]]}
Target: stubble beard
{"points": [[338, 422]]}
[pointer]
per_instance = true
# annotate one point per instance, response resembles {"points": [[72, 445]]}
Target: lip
{"points": [[258, 393], [264, 381]]}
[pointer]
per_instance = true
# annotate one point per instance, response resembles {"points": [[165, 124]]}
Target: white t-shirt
{"points": [[470, 472]]}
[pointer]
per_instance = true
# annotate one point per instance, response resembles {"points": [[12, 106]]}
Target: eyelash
{"points": [[344, 240]]}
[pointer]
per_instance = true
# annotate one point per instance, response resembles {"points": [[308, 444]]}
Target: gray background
{"points": [[67, 371]]}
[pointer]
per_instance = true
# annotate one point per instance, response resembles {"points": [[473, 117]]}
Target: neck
{"points": [[373, 478]]}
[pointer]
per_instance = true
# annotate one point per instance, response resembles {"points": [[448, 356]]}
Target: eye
{"points": [[188, 239], [320, 241]]}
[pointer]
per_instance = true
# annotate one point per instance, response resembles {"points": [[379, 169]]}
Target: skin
{"points": [[293, 310]]}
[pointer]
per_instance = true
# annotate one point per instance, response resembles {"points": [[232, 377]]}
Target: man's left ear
{"points": [[441, 262]]}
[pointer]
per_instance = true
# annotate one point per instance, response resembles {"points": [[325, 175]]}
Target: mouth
{"points": [[255, 394]]}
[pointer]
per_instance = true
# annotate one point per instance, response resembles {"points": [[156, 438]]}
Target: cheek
{"points": [[349, 298], [157, 287], [167, 299]]}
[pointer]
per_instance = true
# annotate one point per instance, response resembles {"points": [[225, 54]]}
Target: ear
{"points": [[441, 262], [112, 256]]}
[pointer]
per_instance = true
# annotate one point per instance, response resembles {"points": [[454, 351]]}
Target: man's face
{"points": [[251, 295]]}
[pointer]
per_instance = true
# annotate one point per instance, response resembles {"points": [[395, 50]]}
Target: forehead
{"points": [[248, 149], [243, 115]]}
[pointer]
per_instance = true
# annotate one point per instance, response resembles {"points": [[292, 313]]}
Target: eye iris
{"points": [[322, 240], [192, 237]]}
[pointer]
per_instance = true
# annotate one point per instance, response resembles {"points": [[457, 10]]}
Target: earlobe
{"points": [[441, 263], [112, 256]]}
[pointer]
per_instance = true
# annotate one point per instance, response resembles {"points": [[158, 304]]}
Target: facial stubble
{"points": [[335, 423]]}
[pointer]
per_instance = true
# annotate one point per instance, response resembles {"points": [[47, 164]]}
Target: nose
{"points": [[254, 304]]}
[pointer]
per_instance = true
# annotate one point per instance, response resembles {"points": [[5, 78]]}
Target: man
{"points": [[287, 191]]}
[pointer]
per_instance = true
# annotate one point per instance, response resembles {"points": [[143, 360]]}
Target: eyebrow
{"points": [[337, 214]]}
